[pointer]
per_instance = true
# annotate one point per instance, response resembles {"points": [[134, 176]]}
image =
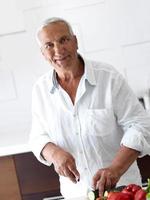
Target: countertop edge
{"points": [[14, 149]]}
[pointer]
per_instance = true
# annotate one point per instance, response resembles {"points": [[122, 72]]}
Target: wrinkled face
{"points": [[59, 47]]}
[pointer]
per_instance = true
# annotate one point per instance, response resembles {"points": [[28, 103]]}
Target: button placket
{"points": [[78, 133], [76, 122]]}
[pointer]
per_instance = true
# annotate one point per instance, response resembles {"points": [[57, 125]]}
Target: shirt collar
{"points": [[54, 83], [89, 75], [89, 72]]}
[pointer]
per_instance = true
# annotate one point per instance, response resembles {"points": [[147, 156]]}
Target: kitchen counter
{"points": [[14, 149], [55, 198], [79, 198]]}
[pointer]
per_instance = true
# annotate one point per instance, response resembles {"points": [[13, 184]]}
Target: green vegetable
{"points": [[148, 186], [148, 196], [148, 190], [93, 194]]}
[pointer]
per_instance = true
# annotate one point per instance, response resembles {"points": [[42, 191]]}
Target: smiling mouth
{"points": [[61, 59]]}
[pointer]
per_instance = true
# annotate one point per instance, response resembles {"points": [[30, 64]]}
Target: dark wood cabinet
{"points": [[144, 163], [23, 177], [35, 179], [9, 187]]}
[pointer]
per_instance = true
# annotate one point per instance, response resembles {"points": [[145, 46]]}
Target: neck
{"points": [[74, 72]]}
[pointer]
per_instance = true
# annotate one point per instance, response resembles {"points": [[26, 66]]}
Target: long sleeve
{"points": [[131, 117], [39, 134]]}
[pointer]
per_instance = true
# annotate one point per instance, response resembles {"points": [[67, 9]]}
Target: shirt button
{"points": [[85, 168], [77, 133]]}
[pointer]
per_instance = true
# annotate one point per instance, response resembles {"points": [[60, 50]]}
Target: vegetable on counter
{"points": [[118, 196], [133, 188], [148, 190], [140, 195], [129, 192], [135, 191], [93, 194]]}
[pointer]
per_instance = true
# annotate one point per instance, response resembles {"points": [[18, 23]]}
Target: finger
{"points": [[95, 179], [71, 176], [101, 184], [108, 184], [75, 172]]}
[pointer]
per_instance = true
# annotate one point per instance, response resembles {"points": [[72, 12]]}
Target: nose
{"points": [[58, 48]]}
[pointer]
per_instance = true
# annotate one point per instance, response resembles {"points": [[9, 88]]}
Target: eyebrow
{"points": [[64, 36], [47, 43]]}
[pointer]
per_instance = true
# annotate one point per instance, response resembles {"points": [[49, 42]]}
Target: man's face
{"points": [[59, 47]]}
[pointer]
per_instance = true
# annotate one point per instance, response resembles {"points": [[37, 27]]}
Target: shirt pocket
{"points": [[100, 122]]}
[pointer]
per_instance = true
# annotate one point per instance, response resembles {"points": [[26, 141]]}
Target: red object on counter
{"points": [[118, 196], [132, 188], [125, 191], [140, 195], [130, 192]]}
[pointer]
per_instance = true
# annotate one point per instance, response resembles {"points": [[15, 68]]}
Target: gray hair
{"points": [[50, 21]]}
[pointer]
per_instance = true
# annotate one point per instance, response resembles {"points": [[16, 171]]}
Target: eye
{"points": [[64, 40], [48, 45]]}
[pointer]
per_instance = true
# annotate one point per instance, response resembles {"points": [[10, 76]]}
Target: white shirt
{"points": [[105, 115]]}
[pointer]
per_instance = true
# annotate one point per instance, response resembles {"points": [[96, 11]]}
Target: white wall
{"points": [[113, 31]]}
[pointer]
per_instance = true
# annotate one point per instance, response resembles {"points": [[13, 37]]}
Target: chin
{"points": [[62, 66]]}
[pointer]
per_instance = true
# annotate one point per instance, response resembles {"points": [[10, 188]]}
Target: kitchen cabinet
{"points": [[144, 164], [22, 177], [35, 179], [9, 187]]}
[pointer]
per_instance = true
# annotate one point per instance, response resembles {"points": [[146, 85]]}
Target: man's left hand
{"points": [[105, 179]]}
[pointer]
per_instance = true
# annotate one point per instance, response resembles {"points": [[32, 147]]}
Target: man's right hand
{"points": [[64, 163]]}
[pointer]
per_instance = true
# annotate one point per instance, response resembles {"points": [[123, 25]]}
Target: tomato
{"points": [[140, 195], [118, 196], [130, 193], [132, 188]]}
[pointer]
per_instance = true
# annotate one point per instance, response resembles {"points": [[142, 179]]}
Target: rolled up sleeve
{"points": [[136, 140], [132, 117]]}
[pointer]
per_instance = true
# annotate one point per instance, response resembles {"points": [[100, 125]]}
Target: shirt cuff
{"points": [[135, 139], [37, 146]]}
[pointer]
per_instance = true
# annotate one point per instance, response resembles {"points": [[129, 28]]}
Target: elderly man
{"points": [[86, 120]]}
